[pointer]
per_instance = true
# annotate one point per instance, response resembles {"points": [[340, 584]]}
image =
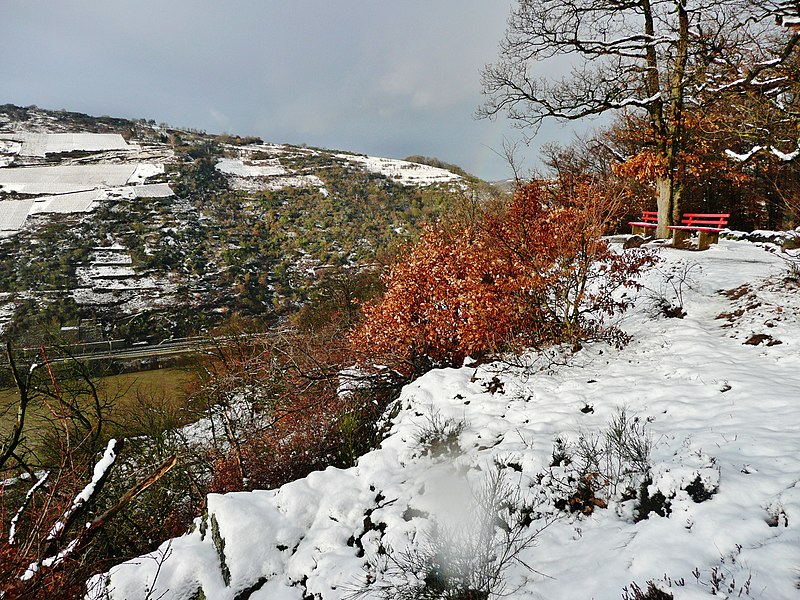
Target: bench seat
{"points": [[686, 227], [649, 220], [707, 225]]}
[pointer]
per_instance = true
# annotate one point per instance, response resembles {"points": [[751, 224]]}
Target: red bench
{"points": [[649, 220], [707, 225]]}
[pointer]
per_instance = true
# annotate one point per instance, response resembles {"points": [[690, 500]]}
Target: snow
{"points": [[8, 151], [718, 410], [278, 183], [145, 171], [85, 275], [65, 203], [153, 190], [41, 144], [269, 168], [64, 179], [258, 175], [13, 214], [784, 156], [111, 255], [100, 470], [404, 172], [742, 157], [12, 528]]}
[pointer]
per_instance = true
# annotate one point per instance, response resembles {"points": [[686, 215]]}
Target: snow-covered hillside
{"points": [[69, 182], [719, 405]]}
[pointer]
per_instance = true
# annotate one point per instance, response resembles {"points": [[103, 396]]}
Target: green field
{"points": [[134, 402]]}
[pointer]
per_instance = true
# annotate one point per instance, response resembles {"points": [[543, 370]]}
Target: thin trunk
{"points": [[22, 381], [658, 124], [677, 202]]}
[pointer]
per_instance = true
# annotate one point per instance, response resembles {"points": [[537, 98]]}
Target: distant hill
{"points": [[129, 229]]}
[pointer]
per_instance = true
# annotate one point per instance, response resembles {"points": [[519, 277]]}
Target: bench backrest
{"points": [[649, 216], [719, 221]]}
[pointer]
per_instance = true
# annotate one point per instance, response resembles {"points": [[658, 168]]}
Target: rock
{"points": [[760, 338], [635, 241]]}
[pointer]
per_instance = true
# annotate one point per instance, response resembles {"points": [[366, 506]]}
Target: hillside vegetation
{"points": [[244, 228]]}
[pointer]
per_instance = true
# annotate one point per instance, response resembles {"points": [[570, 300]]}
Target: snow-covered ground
{"points": [[110, 279], [246, 173], [716, 392], [41, 144], [13, 214], [63, 179], [74, 189], [278, 183], [265, 168], [402, 171], [65, 203], [266, 174], [145, 171]]}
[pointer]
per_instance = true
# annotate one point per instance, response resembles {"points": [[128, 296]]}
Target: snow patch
{"points": [[401, 171]]}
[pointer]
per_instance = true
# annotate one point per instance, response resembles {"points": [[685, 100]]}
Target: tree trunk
{"points": [[677, 202], [664, 190], [668, 187]]}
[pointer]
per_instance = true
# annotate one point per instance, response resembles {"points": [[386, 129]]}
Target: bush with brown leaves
{"points": [[531, 274]]}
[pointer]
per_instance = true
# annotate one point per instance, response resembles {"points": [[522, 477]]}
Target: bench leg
{"points": [[680, 237], [703, 240], [637, 230], [713, 237]]}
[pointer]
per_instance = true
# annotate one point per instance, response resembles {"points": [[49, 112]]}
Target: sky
{"points": [[382, 78]]}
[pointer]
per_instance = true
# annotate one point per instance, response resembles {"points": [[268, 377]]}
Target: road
{"points": [[114, 351]]}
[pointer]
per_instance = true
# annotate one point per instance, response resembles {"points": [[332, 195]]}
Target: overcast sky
{"points": [[371, 76]]}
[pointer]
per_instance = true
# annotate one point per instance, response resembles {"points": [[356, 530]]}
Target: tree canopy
{"points": [[660, 58]]}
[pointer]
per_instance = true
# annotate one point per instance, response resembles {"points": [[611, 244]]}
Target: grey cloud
{"points": [[375, 77]]}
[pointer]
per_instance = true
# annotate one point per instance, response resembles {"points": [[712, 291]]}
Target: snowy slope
{"points": [[718, 410], [41, 144], [402, 171]]}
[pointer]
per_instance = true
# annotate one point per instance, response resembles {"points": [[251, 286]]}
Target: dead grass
{"points": [[137, 402]]}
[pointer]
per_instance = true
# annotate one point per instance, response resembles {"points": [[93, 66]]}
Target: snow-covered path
{"points": [[718, 410]]}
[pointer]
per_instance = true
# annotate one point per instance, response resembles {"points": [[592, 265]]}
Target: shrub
{"points": [[791, 256], [601, 467], [282, 409], [533, 273], [668, 298], [69, 508], [439, 436], [651, 593], [464, 558]]}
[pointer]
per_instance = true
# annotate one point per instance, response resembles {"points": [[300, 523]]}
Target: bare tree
{"points": [[651, 56]]}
